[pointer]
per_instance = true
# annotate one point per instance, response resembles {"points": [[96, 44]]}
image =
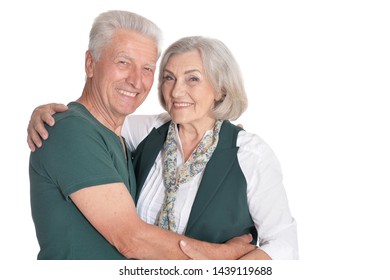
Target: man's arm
{"points": [[110, 209]]}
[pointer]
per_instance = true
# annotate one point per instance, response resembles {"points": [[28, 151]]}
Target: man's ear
{"points": [[89, 62]]}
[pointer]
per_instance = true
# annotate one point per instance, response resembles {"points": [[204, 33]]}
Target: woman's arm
{"points": [[36, 131], [195, 254], [267, 199]]}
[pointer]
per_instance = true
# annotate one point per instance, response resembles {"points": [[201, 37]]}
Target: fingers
{"points": [[31, 144], [190, 251], [245, 238], [57, 107], [33, 137], [36, 128], [47, 118], [241, 245]]}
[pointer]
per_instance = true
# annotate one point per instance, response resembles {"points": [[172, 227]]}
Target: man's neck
{"points": [[100, 112]]}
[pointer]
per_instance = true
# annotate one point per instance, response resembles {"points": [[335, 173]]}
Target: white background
{"points": [[317, 77]]}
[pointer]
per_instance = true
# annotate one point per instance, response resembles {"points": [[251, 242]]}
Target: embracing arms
{"points": [[110, 209]]}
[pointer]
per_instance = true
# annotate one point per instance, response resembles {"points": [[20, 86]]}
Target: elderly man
{"points": [[82, 179]]}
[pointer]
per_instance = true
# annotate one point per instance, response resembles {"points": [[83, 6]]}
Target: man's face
{"points": [[124, 73]]}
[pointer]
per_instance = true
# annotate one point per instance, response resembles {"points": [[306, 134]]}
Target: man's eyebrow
{"points": [[122, 55], [151, 65]]}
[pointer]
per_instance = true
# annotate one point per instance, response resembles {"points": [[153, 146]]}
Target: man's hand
{"points": [[232, 249], [36, 127]]}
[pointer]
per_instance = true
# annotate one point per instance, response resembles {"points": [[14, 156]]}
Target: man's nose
{"points": [[134, 78]]}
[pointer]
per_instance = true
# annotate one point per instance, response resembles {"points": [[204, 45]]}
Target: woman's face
{"points": [[188, 94]]}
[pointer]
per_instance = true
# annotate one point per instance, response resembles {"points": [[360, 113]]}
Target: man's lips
{"points": [[127, 93]]}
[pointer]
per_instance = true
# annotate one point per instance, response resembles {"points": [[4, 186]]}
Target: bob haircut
{"points": [[107, 23], [221, 69]]}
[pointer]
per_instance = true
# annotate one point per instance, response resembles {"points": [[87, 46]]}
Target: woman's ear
{"points": [[221, 96]]}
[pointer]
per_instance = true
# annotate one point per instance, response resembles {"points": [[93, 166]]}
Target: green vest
{"points": [[220, 210]]}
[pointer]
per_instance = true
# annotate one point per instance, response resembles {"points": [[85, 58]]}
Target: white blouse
{"points": [[267, 198]]}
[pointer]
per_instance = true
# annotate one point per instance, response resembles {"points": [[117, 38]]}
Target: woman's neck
{"points": [[190, 136]]}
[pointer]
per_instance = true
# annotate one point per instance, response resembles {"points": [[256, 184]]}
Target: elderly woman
{"points": [[198, 174]]}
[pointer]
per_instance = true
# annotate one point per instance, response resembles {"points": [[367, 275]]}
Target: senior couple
{"points": [[186, 184]]}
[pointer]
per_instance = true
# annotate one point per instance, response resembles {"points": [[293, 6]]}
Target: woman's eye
{"points": [[194, 79]]}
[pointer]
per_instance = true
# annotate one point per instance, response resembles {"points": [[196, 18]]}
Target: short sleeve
{"points": [[75, 156]]}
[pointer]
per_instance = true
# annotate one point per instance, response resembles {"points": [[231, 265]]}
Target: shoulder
{"points": [[71, 136], [146, 121], [76, 115], [253, 147], [137, 127], [69, 121], [250, 141], [74, 127]]}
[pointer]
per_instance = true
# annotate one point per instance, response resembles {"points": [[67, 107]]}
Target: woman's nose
{"points": [[178, 90]]}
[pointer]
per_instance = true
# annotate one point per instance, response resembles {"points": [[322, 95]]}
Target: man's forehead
{"points": [[132, 50]]}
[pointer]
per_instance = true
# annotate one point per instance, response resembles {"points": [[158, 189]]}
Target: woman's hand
{"points": [[235, 248], [42, 115]]}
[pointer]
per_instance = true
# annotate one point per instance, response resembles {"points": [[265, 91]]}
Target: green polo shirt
{"points": [[79, 153]]}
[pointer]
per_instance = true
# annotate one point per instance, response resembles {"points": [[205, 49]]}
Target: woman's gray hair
{"points": [[221, 69], [107, 23]]}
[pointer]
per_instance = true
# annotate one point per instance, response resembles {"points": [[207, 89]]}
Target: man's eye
{"points": [[123, 62], [168, 78]]}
